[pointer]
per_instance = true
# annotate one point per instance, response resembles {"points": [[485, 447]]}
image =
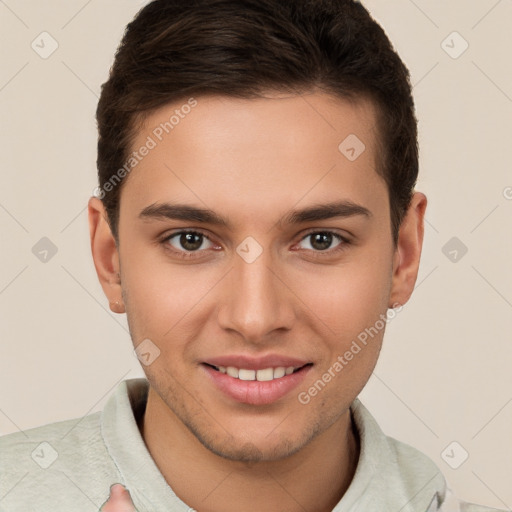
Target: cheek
{"points": [[161, 297], [348, 310], [349, 298]]}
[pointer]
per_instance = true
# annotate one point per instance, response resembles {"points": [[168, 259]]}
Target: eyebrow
{"points": [[339, 209]]}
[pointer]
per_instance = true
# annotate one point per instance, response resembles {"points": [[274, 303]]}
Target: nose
{"points": [[256, 301]]}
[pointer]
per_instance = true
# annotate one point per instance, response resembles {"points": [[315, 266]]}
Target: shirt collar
{"points": [[139, 473], [390, 475]]}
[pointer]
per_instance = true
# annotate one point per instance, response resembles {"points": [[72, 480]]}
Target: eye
{"points": [[185, 243], [321, 241]]}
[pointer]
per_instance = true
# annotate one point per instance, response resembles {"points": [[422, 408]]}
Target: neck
{"points": [[314, 478]]}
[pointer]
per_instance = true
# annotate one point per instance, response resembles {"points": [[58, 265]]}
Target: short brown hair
{"points": [[242, 48]]}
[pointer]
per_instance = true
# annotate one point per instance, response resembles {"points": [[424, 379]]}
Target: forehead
{"points": [[253, 154]]}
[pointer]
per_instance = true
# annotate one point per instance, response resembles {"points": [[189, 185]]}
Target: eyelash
{"points": [[344, 242]]}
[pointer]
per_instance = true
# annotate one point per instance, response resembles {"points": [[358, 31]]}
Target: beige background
{"points": [[444, 374]]}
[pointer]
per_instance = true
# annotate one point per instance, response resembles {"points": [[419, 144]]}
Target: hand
{"points": [[118, 501]]}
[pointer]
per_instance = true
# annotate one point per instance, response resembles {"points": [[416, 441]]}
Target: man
{"points": [[256, 215]]}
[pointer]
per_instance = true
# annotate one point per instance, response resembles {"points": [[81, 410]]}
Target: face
{"points": [[253, 304]]}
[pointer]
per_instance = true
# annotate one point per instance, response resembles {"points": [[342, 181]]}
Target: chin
{"points": [[251, 448], [249, 452], [247, 441]]}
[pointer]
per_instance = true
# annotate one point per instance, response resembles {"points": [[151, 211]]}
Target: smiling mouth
{"points": [[263, 375]]}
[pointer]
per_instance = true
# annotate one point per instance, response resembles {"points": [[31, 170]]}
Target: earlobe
{"points": [[105, 254], [117, 306], [408, 251]]}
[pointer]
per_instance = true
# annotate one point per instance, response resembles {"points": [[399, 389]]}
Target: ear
{"points": [[406, 259], [105, 254]]}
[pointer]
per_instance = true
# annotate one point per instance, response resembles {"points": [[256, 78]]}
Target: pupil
{"points": [[321, 241], [187, 241]]}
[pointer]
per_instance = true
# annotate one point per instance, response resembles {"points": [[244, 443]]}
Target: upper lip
{"points": [[256, 363]]}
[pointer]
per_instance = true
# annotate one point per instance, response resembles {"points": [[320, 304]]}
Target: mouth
{"points": [[255, 386]]}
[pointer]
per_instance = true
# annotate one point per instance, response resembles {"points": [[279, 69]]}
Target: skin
{"points": [[252, 161]]}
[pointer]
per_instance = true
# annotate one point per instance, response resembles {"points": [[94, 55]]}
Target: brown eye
{"points": [[323, 240], [187, 241]]}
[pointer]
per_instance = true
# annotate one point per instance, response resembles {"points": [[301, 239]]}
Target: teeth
{"points": [[265, 375], [232, 372], [246, 374], [279, 372]]}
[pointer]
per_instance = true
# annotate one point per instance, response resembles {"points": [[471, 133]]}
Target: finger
{"points": [[118, 501]]}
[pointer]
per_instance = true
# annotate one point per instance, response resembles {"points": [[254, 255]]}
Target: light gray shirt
{"points": [[70, 466]]}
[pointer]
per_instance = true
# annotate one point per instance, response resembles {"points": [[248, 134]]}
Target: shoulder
{"points": [[37, 464], [411, 460], [44, 445], [407, 478]]}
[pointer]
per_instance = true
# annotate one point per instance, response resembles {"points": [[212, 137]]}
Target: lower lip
{"points": [[254, 392]]}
